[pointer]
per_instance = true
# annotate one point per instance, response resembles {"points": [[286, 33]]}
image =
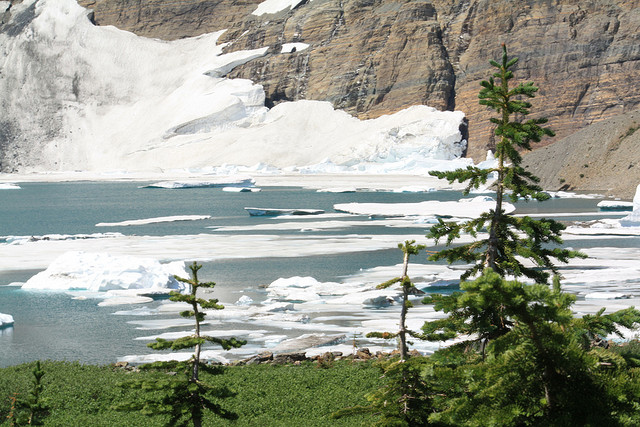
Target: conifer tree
{"points": [[30, 410], [408, 248], [184, 397], [510, 238], [540, 367]]}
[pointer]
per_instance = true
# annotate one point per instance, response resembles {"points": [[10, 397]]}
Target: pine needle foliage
{"points": [[509, 239], [408, 248], [30, 410], [540, 365], [182, 396]]}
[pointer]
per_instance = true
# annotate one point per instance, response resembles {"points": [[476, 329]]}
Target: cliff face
{"points": [[373, 57]]}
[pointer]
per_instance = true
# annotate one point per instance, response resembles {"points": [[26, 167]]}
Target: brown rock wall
{"points": [[372, 57]]}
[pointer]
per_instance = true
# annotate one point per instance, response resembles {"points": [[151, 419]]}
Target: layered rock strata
{"points": [[374, 57]]}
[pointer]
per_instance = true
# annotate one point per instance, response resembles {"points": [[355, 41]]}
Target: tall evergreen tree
{"points": [[509, 239], [184, 397]]}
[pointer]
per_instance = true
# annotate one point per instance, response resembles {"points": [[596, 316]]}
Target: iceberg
{"points": [[633, 219], [102, 272], [6, 320], [615, 205]]}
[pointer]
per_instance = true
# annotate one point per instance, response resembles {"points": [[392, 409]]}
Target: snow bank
{"points": [[275, 6], [100, 272], [5, 320], [94, 98]]}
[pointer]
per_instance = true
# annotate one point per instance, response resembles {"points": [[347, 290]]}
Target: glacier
{"points": [[79, 97]]}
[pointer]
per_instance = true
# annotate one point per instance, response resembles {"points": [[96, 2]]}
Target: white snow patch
{"points": [[293, 47], [153, 220], [275, 6]]}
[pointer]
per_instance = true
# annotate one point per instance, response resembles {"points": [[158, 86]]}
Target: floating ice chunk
{"points": [[293, 47], [466, 208], [277, 212], [373, 298], [212, 183], [21, 240], [241, 189], [244, 300], [9, 186], [141, 311], [615, 205], [153, 220], [633, 219], [414, 189], [124, 300], [336, 190], [275, 307], [6, 320], [100, 272], [306, 341], [606, 295], [570, 195]]}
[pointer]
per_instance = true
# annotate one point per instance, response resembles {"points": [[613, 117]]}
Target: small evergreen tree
{"points": [[408, 248], [31, 410], [184, 397], [509, 239]]}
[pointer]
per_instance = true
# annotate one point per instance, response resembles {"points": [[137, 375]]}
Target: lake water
{"points": [[53, 325]]}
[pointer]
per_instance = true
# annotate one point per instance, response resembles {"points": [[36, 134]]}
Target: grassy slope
{"points": [[266, 395]]}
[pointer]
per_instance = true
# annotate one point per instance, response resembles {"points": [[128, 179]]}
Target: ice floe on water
{"points": [[615, 205], [465, 208], [282, 211], [153, 220], [6, 320], [9, 186], [225, 182], [102, 272]]}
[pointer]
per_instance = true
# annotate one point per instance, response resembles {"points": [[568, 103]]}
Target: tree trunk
{"points": [[402, 334]]}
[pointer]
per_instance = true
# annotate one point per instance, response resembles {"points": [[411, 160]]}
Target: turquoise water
{"points": [[51, 325]]}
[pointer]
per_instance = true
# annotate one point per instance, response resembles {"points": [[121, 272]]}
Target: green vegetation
{"points": [[183, 395], [266, 395], [522, 358], [408, 248], [510, 239], [29, 410]]}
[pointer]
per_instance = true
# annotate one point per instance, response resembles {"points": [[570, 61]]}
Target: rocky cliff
{"points": [[373, 57]]}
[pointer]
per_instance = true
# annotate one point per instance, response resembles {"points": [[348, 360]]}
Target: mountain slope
{"points": [[374, 57], [602, 157]]}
